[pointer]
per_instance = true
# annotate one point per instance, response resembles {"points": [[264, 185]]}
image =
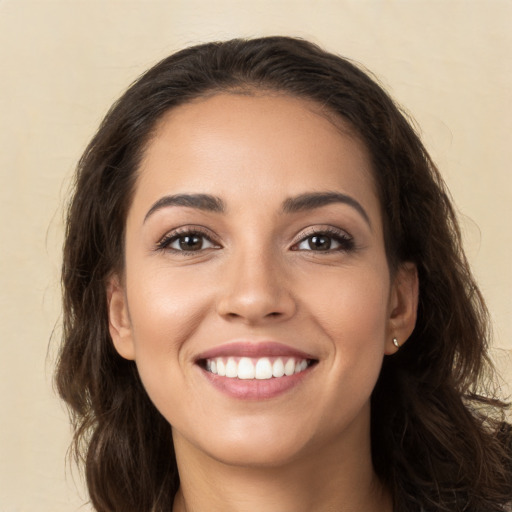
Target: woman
{"points": [[266, 303]]}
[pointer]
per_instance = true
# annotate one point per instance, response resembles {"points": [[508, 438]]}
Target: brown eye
{"points": [[319, 242], [190, 242], [325, 242], [187, 241]]}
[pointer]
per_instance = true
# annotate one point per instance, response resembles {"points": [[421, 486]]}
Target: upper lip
{"points": [[254, 350]]}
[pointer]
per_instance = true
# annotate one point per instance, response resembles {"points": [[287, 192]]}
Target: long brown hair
{"points": [[437, 443]]}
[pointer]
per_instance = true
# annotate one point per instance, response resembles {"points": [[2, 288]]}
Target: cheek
{"points": [[166, 305], [351, 309], [165, 311], [350, 304]]}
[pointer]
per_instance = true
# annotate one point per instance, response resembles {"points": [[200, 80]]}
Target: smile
{"points": [[263, 368], [255, 371]]}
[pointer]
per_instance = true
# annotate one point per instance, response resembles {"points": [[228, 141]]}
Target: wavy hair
{"points": [[438, 438]]}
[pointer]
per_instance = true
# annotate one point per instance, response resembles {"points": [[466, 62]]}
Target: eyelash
{"points": [[345, 241], [168, 239]]}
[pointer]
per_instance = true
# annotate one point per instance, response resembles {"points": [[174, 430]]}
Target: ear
{"points": [[119, 319], [403, 306]]}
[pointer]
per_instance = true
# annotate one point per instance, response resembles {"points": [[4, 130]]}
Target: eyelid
{"points": [[332, 231], [164, 242], [321, 229]]}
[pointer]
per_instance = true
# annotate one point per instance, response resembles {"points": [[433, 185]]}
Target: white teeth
{"points": [[289, 367], [278, 368], [263, 368], [300, 366], [231, 368], [245, 368], [221, 367]]}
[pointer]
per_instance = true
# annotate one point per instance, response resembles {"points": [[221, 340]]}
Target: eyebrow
{"points": [[204, 202], [300, 203], [312, 200]]}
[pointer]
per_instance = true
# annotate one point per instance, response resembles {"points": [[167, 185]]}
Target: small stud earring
{"points": [[395, 342]]}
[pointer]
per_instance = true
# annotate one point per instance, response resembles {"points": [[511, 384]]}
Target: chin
{"points": [[252, 455], [258, 444]]}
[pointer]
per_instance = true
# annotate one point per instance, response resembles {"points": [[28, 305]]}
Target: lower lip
{"points": [[255, 389]]}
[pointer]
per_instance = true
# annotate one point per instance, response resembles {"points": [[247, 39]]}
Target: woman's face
{"points": [[257, 301]]}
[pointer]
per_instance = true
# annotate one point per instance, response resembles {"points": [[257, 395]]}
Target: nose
{"points": [[256, 290]]}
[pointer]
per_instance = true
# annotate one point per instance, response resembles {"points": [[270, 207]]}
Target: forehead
{"points": [[239, 145]]}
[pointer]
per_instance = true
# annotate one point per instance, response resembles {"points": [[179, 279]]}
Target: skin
{"points": [[258, 279]]}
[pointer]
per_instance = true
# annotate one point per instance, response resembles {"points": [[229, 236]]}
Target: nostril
{"points": [[252, 304]]}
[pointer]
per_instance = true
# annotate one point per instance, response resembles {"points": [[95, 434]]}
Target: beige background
{"points": [[64, 62]]}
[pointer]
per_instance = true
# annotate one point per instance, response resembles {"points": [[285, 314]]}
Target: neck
{"points": [[340, 479]]}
